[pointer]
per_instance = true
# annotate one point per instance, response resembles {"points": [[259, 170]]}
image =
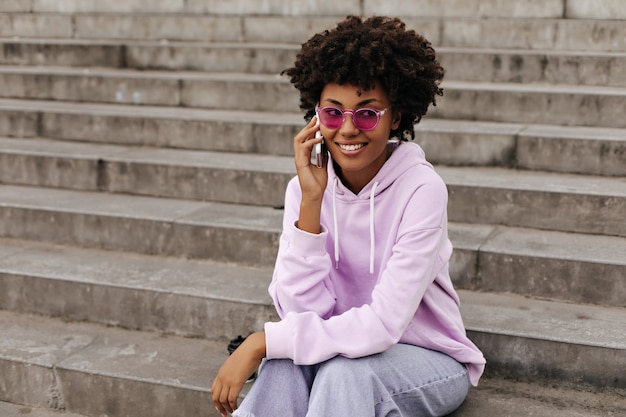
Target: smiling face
{"points": [[359, 154]]}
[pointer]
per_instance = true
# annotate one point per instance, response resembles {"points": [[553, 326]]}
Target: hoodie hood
{"points": [[396, 165]]}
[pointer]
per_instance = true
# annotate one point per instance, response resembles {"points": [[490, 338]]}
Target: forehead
{"points": [[349, 95]]}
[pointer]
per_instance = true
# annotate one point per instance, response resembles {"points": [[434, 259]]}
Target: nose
{"points": [[347, 127]]}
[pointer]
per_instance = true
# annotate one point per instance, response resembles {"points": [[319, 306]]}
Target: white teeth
{"points": [[352, 147]]}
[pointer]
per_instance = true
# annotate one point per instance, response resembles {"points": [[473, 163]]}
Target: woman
{"points": [[370, 323]]}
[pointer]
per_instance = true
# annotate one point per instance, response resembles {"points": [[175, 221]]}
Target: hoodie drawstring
{"points": [[372, 234], [335, 223]]}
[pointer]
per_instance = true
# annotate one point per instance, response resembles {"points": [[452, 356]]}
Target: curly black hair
{"points": [[362, 52]]}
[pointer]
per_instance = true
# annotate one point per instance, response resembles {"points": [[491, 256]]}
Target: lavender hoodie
{"points": [[375, 276]]}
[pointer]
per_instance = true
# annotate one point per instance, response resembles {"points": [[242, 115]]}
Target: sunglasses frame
{"points": [[351, 112]]}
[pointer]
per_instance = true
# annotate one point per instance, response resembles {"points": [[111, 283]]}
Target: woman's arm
{"points": [[301, 275], [235, 372], [300, 281]]}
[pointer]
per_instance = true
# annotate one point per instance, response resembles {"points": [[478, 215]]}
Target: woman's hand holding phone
{"points": [[318, 154], [312, 179]]}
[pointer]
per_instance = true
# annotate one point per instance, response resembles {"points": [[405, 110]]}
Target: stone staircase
{"points": [[144, 150]]}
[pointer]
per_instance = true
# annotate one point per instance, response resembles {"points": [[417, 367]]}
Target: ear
{"points": [[395, 122]]}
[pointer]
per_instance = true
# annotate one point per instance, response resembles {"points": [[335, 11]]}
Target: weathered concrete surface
{"points": [[501, 397], [519, 198], [94, 370], [17, 410], [602, 9], [503, 102], [111, 6], [554, 67], [476, 64], [16, 6], [36, 25], [533, 104], [164, 227], [538, 34], [525, 338], [594, 151], [465, 8], [193, 298], [544, 264], [88, 365], [577, 348], [596, 206]]}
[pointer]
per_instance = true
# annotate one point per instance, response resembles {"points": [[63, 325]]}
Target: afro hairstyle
{"points": [[363, 52]]}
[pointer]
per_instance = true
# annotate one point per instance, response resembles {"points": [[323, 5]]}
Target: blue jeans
{"points": [[405, 381]]}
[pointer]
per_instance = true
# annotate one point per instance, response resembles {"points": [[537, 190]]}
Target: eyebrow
{"points": [[359, 104]]}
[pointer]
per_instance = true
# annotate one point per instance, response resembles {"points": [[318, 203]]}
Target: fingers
{"points": [[232, 400], [216, 391], [224, 398], [304, 142], [226, 402], [234, 372], [219, 394], [308, 133]]}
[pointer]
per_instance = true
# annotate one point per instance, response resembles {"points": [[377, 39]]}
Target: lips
{"points": [[354, 147]]}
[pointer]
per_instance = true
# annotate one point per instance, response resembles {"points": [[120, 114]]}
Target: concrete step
{"points": [[533, 104], [602, 9], [502, 102], [17, 410], [501, 397], [564, 202], [538, 263], [477, 195], [487, 65], [593, 151], [238, 178], [533, 339], [244, 234], [187, 297], [84, 366], [95, 370], [177, 295], [158, 126], [472, 32], [281, 7], [581, 150], [553, 34], [181, 88], [534, 66]]}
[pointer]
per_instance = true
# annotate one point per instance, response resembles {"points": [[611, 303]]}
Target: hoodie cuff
{"points": [[307, 244], [278, 340]]}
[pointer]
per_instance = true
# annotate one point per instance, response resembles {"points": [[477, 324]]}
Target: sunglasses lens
{"points": [[331, 117], [365, 119]]}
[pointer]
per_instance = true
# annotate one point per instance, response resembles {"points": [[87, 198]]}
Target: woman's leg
{"points": [[404, 381], [281, 389]]}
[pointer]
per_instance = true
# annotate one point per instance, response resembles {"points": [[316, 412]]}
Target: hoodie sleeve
{"points": [[309, 338], [300, 282]]}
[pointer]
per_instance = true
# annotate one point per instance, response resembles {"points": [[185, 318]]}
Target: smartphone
{"points": [[318, 152]]}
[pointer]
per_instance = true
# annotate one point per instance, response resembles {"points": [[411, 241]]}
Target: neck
{"points": [[355, 181]]}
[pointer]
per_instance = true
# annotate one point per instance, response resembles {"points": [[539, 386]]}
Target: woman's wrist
{"points": [[309, 218], [258, 344]]}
